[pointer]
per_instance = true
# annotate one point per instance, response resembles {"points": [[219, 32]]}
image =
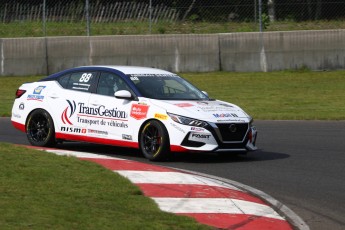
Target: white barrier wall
{"points": [[316, 50], [245, 52], [23, 56]]}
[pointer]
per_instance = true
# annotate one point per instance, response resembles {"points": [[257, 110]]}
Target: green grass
{"points": [[287, 95], [35, 29], [8, 87], [40, 190]]}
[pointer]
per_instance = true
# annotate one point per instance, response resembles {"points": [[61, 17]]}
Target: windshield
{"points": [[166, 87]]}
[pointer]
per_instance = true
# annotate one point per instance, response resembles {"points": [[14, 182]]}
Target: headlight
{"points": [[187, 121]]}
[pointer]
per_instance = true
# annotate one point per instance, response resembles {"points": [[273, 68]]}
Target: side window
{"points": [[110, 83], [81, 81], [64, 80]]}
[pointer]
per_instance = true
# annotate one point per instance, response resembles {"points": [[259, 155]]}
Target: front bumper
{"points": [[222, 137]]}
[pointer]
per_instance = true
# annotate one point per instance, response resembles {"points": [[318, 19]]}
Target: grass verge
{"points": [[35, 29], [40, 190], [287, 95]]}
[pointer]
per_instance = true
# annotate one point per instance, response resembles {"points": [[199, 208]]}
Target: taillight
{"points": [[20, 93]]}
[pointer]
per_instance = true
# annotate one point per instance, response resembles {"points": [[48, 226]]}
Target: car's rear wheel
{"points": [[154, 141], [40, 128]]}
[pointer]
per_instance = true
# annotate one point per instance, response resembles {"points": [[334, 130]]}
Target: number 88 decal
{"points": [[85, 77]]}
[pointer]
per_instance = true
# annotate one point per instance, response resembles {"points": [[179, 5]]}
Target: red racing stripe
{"points": [[240, 221], [127, 165], [195, 191]]}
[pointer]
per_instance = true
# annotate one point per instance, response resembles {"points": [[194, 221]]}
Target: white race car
{"points": [[151, 109]]}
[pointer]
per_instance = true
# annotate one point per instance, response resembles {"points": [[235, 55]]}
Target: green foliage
{"points": [[265, 21], [194, 25], [8, 87]]}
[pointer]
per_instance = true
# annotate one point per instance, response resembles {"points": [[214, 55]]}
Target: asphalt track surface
{"points": [[300, 163]]}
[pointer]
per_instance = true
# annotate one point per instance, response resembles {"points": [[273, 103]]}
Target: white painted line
{"points": [[151, 177], [215, 205], [80, 154]]}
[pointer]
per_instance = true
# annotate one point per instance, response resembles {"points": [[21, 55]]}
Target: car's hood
{"points": [[213, 111]]}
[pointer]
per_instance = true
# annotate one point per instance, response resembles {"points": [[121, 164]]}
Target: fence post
{"points": [[260, 16], [87, 13], [263, 60], [44, 18], [150, 17]]}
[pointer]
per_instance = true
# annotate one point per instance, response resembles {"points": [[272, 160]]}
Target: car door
{"points": [[110, 121], [67, 102]]}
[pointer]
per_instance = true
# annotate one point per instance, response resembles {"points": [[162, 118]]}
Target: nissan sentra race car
{"points": [[151, 109]]}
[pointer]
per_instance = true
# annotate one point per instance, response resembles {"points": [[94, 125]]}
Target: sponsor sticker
{"points": [[94, 115], [139, 111], [16, 115], [97, 132], [197, 129], [126, 137], [161, 116], [71, 108], [36, 94], [178, 128], [224, 115], [184, 105], [200, 136], [21, 106], [39, 89], [72, 129]]}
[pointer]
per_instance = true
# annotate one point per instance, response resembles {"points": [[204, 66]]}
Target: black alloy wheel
{"points": [[40, 128], [154, 141]]}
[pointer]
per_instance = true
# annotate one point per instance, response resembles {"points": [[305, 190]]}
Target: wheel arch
{"points": [[144, 124], [35, 109]]}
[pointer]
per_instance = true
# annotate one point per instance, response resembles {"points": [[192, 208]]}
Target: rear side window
{"points": [[80, 81], [64, 80]]}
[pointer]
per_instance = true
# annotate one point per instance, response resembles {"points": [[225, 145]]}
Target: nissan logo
{"points": [[232, 128]]}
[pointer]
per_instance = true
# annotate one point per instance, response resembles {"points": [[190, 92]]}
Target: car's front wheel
{"points": [[154, 141], [40, 128]]}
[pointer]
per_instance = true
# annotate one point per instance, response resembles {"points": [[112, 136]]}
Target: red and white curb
{"points": [[209, 201]]}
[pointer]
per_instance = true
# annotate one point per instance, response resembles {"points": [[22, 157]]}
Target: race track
{"points": [[301, 164]]}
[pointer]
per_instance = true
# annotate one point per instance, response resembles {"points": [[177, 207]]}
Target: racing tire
{"points": [[154, 141], [40, 129]]}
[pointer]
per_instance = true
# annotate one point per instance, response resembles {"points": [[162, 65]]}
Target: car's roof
{"points": [[131, 69], [127, 70]]}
